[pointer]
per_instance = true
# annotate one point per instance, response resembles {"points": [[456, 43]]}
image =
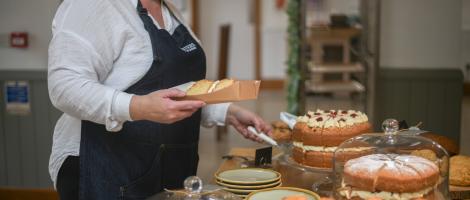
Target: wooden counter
{"points": [[294, 177]]}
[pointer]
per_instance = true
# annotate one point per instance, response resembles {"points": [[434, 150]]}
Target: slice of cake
{"points": [[200, 87], [223, 84], [208, 86]]}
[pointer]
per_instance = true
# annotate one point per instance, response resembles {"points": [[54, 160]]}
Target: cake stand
{"points": [[302, 176], [404, 153]]}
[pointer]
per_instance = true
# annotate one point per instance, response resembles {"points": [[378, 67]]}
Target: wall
{"points": [[274, 41], [213, 14], [466, 36], [421, 34], [35, 17], [430, 96], [26, 141]]}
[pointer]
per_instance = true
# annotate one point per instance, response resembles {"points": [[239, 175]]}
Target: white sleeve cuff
{"points": [[119, 111], [214, 114]]}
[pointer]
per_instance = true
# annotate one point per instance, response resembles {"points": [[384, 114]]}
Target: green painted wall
{"points": [[431, 96]]}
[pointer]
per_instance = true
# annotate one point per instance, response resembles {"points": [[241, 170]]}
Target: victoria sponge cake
{"points": [[389, 176], [316, 136]]}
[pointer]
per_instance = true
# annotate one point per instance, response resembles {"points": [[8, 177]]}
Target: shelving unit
{"points": [[318, 68]]}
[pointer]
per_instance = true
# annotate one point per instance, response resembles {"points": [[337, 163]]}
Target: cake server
{"points": [[262, 135], [289, 119]]}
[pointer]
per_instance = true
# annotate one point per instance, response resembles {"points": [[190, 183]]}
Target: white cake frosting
{"points": [[391, 162], [407, 165], [333, 118]]}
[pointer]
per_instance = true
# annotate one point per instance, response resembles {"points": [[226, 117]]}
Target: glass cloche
{"points": [[391, 165], [194, 190]]}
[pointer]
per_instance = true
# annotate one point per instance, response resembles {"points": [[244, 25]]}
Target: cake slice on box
{"points": [[223, 84], [207, 86], [200, 87]]}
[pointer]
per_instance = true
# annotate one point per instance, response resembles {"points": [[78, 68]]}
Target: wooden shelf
{"points": [[334, 86], [336, 68]]}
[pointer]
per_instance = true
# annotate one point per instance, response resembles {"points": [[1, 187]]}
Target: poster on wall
{"points": [[17, 97]]}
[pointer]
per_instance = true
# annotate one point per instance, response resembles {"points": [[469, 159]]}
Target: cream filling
{"points": [[298, 144], [213, 86], [326, 149], [383, 195], [319, 148]]}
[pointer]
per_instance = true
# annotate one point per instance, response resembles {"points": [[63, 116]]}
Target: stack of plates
{"points": [[245, 181]]}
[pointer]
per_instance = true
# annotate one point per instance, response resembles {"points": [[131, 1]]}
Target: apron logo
{"points": [[188, 48]]}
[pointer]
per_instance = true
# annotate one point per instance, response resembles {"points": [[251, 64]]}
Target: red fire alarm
{"points": [[19, 39]]}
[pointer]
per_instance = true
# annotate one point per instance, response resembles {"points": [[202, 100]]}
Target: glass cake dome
{"points": [[396, 164], [194, 190]]}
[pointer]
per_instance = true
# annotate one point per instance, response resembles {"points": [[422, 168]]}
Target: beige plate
{"points": [[248, 176], [281, 192], [249, 187], [247, 191]]}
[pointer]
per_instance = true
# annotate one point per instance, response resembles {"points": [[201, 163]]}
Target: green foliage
{"points": [[293, 60]]}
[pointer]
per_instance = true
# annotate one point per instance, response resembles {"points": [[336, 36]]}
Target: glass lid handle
{"points": [[390, 126], [193, 184]]}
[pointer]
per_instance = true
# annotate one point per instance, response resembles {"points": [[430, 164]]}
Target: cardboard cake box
{"points": [[240, 90]]}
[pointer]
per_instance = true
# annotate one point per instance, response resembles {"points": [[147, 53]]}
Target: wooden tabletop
{"points": [[292, 177], [236, 163]]}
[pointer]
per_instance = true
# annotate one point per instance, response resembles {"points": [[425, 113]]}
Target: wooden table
{"points": [[292, 177]]}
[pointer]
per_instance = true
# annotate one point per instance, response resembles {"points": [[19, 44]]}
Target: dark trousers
{"points": [[68, 178]]}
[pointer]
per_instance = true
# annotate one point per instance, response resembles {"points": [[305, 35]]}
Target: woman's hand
{"points": [[241, 118], [159, 107]]}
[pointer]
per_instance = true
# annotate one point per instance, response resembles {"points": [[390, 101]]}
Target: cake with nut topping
{"points": [[316, 135]]}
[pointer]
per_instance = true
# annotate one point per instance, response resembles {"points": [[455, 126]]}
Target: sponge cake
{"points": [[207, 86], [223, 84], [200, 87]]}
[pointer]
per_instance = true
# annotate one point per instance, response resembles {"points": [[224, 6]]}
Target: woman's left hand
{"points": [[240, 118]]}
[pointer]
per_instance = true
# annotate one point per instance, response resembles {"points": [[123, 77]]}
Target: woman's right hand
{"points": [[159, 106]]}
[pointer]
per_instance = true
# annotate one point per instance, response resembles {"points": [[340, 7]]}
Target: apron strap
{"points": [[150, 28]]}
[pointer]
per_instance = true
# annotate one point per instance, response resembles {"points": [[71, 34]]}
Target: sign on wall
{"points": [[17, 97]]}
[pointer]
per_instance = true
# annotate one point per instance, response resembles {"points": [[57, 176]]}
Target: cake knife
{"points": [[262, 135]]}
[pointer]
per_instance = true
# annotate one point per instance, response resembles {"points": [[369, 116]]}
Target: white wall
{"points": [[421, 33], [35, 17], [241, 58], [274, 41], [213, 14]]}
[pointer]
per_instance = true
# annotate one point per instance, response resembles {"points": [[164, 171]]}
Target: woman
{"points": [[112, 64]]}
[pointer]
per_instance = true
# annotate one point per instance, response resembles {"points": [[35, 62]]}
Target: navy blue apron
{"points": [[146, 157]]}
